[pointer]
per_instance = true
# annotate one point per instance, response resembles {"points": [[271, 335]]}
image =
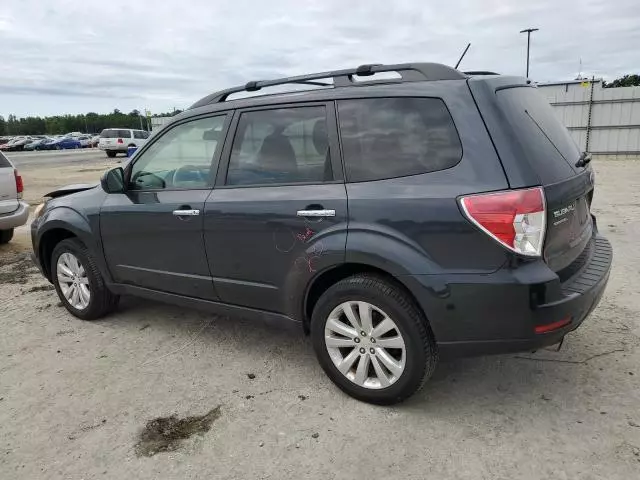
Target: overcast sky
{"points": [[75, 56]]}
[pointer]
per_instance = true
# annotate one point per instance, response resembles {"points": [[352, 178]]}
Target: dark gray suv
{"points": [[397, 220]]}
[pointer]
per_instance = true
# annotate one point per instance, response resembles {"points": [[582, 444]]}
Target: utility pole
{"points": [[528, 32]]}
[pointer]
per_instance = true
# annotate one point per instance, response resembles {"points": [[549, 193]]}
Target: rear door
{"points": [[278, 214], [552, 154], [8, 192]]}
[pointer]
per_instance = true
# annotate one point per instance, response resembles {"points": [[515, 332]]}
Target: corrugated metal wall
{"points": [[603, 121]]}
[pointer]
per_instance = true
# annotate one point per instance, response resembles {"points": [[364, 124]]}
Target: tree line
{"points": [[88, 123], [625, 81]]}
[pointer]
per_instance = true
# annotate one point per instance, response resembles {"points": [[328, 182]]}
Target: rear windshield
{"points": [[546, 141], [113, 133]]}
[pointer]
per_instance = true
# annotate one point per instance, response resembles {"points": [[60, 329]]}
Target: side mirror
{"points": [[112, 181]]}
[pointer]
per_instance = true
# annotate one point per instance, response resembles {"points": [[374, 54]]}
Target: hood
{"points": [[69, 189]]}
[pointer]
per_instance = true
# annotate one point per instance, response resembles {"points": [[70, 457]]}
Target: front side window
{"points": [[181, 158], [395, 137], [139, 134], [287, 145]]}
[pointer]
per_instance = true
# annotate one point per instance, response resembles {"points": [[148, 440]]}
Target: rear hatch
{"points": [[8, 191], [113, 137], [552, 154]]}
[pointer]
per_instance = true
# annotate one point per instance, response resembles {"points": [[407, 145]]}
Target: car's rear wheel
{"points": [[372, 340], [111, 154], [6, 236], [78, 281]]}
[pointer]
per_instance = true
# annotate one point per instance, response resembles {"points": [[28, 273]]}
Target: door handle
{"points": [[186, 213], [316, 213]]}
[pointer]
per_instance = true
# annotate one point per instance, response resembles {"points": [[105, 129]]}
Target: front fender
{"points": [[85, 228]]}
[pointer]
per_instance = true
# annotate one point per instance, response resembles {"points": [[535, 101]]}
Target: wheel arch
{"points": [[62, 223], [324, 280]]}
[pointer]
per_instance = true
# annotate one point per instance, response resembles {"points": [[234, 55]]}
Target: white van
{"points": [[117, 140]]}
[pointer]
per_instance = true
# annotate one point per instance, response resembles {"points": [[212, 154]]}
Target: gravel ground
{"points": [[155, 391]]}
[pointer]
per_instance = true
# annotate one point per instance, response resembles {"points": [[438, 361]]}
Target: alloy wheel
{"points": [[365, 345], [73, 281]]}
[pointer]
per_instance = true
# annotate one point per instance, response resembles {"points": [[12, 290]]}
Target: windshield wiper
{"points": [[584, 159]]}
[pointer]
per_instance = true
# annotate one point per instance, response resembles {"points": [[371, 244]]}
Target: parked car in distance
{"points": [[85, 140], [397, 221], [37, 144], [118, 140], [17, 144], [13, 211], [95, 140], [64, 143]]}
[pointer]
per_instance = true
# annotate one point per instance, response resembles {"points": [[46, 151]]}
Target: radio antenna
{"points": [[462, 56]]}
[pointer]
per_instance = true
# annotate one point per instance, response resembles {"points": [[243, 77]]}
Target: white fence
{"points": [[603, 121]]}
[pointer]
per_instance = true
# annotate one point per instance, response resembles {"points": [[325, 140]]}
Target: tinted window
{"points": [[395, 137], [3, 161], [546, 141], [139, 134], [288, 145], [115, 133], [181, 158]]}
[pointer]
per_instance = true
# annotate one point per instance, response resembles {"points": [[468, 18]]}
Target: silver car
{"points": [[13, 211]]}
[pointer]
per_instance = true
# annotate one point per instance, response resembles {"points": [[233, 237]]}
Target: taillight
{"points": [[515, 218], [120, 140], [19, 184]]}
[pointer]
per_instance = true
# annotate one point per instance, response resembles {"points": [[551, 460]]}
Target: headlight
{"points": [[37, 213]]}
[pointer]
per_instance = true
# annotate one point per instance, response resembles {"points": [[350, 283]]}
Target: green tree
{"points": [[625, 81]]}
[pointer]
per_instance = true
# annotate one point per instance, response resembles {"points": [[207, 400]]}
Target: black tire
{"points": [[111, 154], [421, 351], [6, 236], [102, 301]]}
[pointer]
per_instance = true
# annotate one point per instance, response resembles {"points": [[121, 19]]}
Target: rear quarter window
{"points": [[4, 162], [395, 137]]}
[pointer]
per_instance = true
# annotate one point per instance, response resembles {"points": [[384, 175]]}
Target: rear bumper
{"points": [[16, 218], [502, 312], [121, 147]]}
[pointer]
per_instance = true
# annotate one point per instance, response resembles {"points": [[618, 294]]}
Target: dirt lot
{"points": [[155, 391]]}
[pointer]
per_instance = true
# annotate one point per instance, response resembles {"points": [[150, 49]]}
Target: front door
{"points": [[278, 214], [152, 234]]}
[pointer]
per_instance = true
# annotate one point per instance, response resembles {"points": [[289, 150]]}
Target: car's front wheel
{"points": [[78, 281], [372, 340]]}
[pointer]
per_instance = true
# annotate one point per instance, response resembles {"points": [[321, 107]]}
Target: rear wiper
{"points": [[584, 159]]}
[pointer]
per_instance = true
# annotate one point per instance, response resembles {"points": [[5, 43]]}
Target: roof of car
{"points": [[333, 80]]}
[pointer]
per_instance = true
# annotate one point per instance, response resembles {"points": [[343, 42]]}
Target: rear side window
{"points": [[4, 163], [395, 137], [139, 134], [115, 133], [546, 141], [287, 145]]}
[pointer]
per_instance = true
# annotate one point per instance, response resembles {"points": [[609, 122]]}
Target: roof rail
{"points": [[409, 72], [481, 72]]}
